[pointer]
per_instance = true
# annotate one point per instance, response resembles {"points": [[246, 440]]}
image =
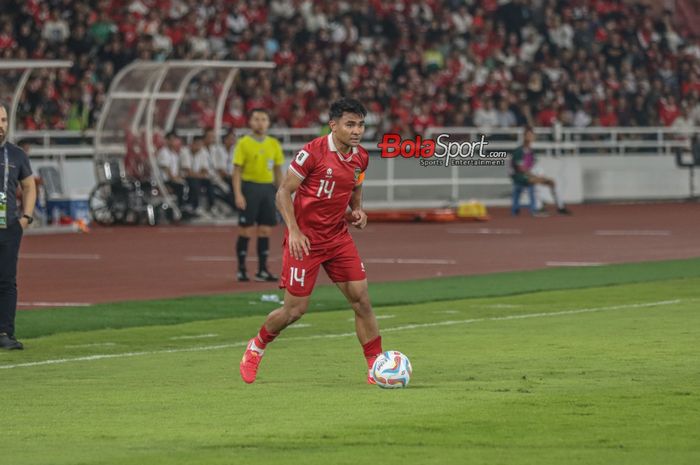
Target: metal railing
{"points": [[551, 141], [394, 182]]}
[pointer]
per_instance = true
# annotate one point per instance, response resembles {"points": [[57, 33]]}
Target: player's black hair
{"points": [[346, 105], [198, 139], [258, 110], [528, 128], [230, 132], [171, 134], [208, 129]]}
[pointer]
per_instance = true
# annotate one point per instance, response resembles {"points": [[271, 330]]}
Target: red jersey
{"points": [[328, 179]]}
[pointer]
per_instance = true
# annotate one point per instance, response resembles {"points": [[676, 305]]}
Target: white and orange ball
{"points": [[392, 370]]}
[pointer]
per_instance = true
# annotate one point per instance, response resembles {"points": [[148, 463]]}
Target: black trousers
{"points": [[195, 185], [179, 191], [10, 239]]}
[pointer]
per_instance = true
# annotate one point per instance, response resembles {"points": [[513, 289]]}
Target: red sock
{"points": [[372, 349], [265, 337]]}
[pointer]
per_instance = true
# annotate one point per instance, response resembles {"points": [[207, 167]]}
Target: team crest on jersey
{"points": [[329, 172], [358, 171]]}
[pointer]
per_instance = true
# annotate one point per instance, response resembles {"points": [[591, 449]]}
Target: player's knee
{"points": [[360, 303], [296, 310]]}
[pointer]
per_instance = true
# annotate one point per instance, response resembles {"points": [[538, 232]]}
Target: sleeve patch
{"points": [[301, 157]]}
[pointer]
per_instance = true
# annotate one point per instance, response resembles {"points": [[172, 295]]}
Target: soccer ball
{"points": [[392, 370]]}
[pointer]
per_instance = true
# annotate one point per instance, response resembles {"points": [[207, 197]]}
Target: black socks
{"points": [[242, 251], [263, 251]]}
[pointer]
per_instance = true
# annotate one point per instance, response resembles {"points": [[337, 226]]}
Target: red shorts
{"points": [[341, 262]]}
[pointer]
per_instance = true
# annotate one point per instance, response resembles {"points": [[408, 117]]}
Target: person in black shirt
{"points": [[15, 171]]}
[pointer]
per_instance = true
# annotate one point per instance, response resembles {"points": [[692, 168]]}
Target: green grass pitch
{"points": [[599, 375]]}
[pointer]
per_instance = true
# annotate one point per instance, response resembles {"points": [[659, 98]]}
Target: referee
{"points": [[14, 170], [257, 159]]}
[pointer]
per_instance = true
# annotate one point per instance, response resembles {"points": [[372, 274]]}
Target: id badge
{"points": [[3, 210]]}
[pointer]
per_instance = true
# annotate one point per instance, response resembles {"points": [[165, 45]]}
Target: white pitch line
{"points": [[59, 256], [54, 304], [411, 261], [196, 336], [379, 317], [299, 325], [574, 263], [632, 232], [96, 344], [485, 231], [349, 334]]}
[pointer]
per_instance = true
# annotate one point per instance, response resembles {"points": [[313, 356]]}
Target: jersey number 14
{"points": [[325, 189]]}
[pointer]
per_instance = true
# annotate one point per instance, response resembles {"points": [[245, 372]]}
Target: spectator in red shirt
{"points": [[668, 110], [547, 116], [608, 118]]}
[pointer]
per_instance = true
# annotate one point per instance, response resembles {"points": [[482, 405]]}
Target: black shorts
{"points": [[260, 205]]}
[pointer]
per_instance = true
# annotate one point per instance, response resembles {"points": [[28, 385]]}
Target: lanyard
{"points": [[7, 171]]}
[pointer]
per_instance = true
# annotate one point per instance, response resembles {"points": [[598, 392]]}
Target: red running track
{"points": [[115, 264]]}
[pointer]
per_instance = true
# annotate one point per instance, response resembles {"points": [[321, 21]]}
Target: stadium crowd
{"points": [[415, 63]]}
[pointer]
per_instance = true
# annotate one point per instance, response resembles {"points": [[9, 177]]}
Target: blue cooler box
{"points": [[76, 208]]}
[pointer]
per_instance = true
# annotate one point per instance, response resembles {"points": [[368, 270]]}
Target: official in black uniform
{"points": [[14, 171]]}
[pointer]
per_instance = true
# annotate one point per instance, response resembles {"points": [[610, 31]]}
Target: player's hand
{"points": [[240, 202], [359, 219], [24, 223], [299, 244]]}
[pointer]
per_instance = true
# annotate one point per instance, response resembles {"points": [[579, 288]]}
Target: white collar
{"points": [[333, 148]]}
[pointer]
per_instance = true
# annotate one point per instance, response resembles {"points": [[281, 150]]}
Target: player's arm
{"points": [[359, 217], [298, 243]]}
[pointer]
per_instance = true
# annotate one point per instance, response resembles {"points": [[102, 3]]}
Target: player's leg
{"points": [[293, 308], [267, 219], [246, 228], [549, 182], [298, 279], [348, 272], [561, 207], [366, 326]]}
